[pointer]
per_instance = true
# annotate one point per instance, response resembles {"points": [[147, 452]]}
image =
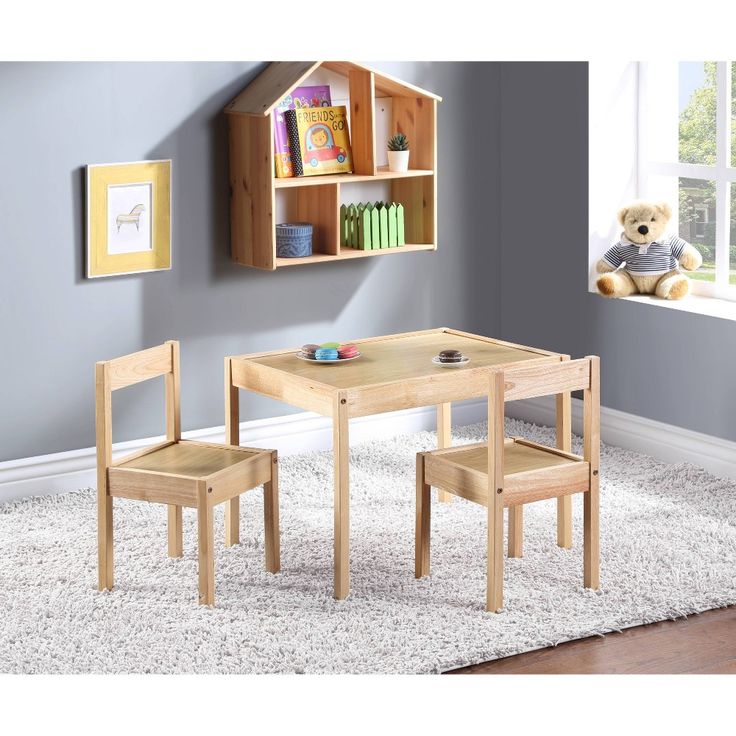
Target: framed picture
{"points": [[128, 218]]}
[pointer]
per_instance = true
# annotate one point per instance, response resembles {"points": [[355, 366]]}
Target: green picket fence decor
{"points": [[372, 226]]}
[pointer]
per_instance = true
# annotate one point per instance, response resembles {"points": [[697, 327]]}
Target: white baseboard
{"points": [[664, 441], [302, 432], [290, 434]]}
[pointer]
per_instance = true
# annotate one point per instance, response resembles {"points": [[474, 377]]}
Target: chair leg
{"points": [[232, 437], [271, 518], [176, 536], [564, 442], [105, 578], [494, 590], [421, 534], [516, 531], [206, 546], [232, 521], [591, 538], [564, 522]]}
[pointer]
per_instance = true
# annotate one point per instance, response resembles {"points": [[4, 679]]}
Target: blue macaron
{"points": [[325, 354]]}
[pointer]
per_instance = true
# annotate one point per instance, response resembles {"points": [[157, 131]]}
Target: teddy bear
{"points": [[645, 260]]}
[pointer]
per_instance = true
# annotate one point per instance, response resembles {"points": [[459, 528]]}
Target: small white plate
{"points": [[463, 361], [303, 356]]}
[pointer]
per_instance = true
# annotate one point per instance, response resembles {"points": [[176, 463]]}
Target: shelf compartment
{"points": [[418, 195], [318, 206], [416, 118]]}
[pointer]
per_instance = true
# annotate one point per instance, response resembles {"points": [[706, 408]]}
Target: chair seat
{"points": [[188, 458], [172, 473], [531, 472]]}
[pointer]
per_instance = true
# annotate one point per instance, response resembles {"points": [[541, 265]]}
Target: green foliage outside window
{"points": [[698, 146]]}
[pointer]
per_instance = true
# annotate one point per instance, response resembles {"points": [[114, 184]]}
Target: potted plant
{"points": [[398, 153]]}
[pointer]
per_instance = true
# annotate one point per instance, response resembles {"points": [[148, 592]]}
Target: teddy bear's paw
{"points": [[615, 284], [607, 285], [677, 289], [691, 261]]}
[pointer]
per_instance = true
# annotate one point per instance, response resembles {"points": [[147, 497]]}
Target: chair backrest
{"points": [[543, 379], [111, 375]]}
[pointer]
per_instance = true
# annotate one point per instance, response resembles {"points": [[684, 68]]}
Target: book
{"points": [[292, 132], [319, 140], [308, 96]]}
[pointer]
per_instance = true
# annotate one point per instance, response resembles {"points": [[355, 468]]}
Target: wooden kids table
{"points": [[394, 372]]}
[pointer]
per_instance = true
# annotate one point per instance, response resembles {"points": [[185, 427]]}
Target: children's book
{"points": [[314, 96], [322, 140]]}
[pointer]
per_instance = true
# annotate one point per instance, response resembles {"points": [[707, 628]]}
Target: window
{"points": [[701, 220], [687, 156]]}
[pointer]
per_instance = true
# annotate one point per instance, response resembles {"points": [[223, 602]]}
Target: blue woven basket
{"points": [[294, 240]]}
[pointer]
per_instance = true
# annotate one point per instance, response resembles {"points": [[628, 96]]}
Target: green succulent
{"points": [[398, 142]]}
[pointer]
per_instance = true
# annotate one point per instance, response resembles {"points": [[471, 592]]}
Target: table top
{"points": [[394, 372], [399, 358]]}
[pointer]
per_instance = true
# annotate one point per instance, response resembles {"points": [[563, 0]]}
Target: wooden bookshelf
{"points": [[254, 188]]}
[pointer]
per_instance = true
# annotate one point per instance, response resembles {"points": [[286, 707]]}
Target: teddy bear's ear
{"points": [[665, 209], [622, 215]]}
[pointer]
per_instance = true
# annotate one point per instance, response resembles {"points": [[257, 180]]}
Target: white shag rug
{"points": [[668, 548]]}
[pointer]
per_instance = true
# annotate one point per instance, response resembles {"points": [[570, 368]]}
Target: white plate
{"points": [[463, 361], [303, 356]]}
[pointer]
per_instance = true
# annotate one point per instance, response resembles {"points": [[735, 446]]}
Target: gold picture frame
{"points": [[128, 218]]}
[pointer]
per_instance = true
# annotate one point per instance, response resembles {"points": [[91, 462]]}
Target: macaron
{"points": [[347, 351], [450, 356], [309, 350], [334, 345], [325, 354]]}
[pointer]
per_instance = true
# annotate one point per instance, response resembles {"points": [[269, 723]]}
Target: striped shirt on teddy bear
{"points": [[647, 259]]}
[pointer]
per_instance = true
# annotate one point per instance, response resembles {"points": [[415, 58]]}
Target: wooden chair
{"points": [[176, 472], [512, 472]]}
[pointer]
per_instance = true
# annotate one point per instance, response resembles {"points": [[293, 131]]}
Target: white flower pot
{"points": [[398, 160]]}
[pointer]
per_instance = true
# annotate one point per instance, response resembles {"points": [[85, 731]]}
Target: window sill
{"points": [[705, 305]]}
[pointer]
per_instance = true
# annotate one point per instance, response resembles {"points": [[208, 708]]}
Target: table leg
{"points": [[232, 437], [564, 442], [516, 531], [271, 517], [444, 439], [340, 449]]}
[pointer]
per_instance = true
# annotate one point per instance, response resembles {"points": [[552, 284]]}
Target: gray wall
{"points": [[513, 232], [672, 366], [55, 118]]}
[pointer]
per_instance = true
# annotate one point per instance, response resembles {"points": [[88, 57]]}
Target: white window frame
{"points": [[722, 174]]}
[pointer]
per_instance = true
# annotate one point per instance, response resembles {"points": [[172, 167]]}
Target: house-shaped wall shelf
{"points": [[378, 106]]}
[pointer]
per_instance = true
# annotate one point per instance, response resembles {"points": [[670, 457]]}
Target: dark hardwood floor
{"points": [[704, 643]]}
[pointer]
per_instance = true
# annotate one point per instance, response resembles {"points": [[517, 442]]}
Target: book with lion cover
{"points": [[320, 140]]}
